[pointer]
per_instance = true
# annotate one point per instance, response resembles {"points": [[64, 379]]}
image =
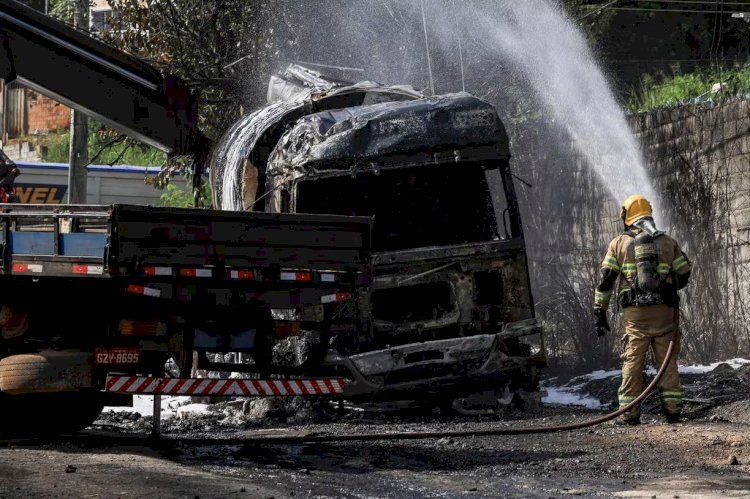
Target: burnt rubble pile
{"points": [[722, 394], [234, 413]]}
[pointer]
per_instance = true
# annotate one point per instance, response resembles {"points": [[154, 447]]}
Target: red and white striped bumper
{"points": [[230, 387]]}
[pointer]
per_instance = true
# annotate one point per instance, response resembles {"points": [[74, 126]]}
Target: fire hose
{"points": [[422, 435]]}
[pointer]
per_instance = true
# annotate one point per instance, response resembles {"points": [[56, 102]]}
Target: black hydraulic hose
{"points": [[476, 433]]}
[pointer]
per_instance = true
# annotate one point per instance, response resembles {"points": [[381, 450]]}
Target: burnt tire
{"points": [[527, 401], [48, 414], [46, 372], [527, 396]]}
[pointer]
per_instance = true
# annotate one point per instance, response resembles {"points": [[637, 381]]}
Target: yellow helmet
{"points": [[634, 208]]}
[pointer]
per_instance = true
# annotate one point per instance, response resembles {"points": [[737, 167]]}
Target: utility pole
{"points": [[79, 128]]}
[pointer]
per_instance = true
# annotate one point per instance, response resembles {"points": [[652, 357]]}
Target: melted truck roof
{"points": [[444, 128]]}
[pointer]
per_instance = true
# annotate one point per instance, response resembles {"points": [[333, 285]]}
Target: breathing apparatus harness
{"points": [[649, 287]]}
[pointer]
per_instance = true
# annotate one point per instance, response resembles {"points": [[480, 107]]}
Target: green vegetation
{"points": [[182, 197], [104, 149], [653, 93]]}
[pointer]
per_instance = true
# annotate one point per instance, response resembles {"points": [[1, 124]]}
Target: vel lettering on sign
{"points": [[41, 194]]}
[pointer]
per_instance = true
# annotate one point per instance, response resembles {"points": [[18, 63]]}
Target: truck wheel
{"points": [[47, 414], [45, 372]]}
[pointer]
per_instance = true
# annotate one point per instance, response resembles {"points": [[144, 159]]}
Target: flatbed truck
{"points": [[98, 301]]}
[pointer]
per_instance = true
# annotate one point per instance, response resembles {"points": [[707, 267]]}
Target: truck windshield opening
{"points": [[413, 207]]}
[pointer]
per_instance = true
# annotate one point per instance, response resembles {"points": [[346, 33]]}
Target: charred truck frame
{"points": [[450, 313]]}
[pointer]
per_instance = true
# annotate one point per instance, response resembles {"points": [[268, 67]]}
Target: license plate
{"points": [[120, 355]]}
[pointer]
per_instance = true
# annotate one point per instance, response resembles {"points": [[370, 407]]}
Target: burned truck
{"points": [[449, 311]]}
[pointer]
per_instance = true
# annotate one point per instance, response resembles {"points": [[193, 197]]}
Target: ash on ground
{"points": [[719, 394]]}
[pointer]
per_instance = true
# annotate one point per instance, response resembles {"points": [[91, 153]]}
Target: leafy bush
{"points": [[182, 197], [672, 90], [103, 149]]}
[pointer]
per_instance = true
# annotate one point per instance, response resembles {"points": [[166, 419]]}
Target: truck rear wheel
{"points": [[47, 414], [45, 372]]}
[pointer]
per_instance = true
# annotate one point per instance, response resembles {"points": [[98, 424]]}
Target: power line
{"points": [[699, 11], [607, 5], [719, 46], [698, 2], [644, 61]]}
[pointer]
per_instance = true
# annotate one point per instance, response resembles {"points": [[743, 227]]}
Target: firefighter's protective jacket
{"points": [[619, 264]]}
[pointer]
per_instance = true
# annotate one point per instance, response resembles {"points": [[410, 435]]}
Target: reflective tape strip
{"points": [[88, 269], [158, 271], [196, 273], [335, 297], [115, 383], [295, 276], [628, 267], [645, 250], [241, 274], [663, 268], [671, 395], [602, 296], [327, 277], [206, 386], [625, 399], [679, 263], [34, 268], [143, 290], [610, 262]]}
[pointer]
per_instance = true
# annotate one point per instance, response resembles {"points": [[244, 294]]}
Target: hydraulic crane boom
{"points": [[98, 80]]}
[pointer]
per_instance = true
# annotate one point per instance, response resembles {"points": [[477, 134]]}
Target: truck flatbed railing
{"points": [[124, 240]]}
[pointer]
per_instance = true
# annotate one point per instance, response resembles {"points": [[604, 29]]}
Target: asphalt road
{"points": [[690, 459]]}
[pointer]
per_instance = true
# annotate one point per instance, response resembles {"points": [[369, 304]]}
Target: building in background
{"points": [[27, 113], [46, 183], [100, 16]]}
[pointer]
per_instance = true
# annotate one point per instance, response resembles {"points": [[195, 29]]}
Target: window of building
{"points": [[103, 20]]}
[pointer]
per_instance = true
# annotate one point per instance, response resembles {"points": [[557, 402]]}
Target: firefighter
{"points": [[646, 267]]}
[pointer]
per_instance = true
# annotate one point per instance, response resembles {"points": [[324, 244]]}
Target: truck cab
{"points": [[450, 309]]}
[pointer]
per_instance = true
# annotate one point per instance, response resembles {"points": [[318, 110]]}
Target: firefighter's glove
{"points": [[601, 324]]}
